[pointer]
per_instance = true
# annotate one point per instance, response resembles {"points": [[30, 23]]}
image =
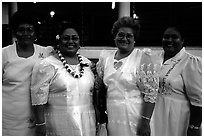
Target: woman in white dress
{"points": [[178, 110], [18, 60], [61, 89], [131, 81]]}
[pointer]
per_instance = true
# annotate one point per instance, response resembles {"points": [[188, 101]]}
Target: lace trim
{"points": [[148, 82]]}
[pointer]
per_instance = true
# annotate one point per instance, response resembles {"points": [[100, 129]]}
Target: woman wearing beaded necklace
{"points": [[178, 110], [62, 89]]}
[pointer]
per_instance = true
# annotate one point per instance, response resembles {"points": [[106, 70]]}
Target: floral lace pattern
{"points": [[148, 81]]}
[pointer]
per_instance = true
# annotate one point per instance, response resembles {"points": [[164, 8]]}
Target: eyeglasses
{"points": [[121, 35], [25, 29], [68, 38]]}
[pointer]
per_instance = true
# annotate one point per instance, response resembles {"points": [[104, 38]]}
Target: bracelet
{"points": [[145, 117], [193, 127], [41, 124]]}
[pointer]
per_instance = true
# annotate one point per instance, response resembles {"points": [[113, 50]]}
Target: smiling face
{"points": [[69, 42], [124, 39], [25, 34], [172, 42]]}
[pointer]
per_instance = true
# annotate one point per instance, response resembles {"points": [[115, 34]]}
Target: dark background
{"points": [[96, 20]]}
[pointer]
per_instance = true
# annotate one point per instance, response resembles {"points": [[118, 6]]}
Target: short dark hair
{"points": [[63, 25], [126, 21], [21, 18]]}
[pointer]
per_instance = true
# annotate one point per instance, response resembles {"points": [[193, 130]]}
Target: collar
{"points": [[177, 57]]}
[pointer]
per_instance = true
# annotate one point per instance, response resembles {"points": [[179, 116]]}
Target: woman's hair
{"points": [[126, 21], [177, 29], [63, 25], [19, 18]]}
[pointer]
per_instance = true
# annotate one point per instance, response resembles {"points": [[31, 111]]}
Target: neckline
{"points": [[15, 50], [70, 71], [175, 58], [123, 57]]}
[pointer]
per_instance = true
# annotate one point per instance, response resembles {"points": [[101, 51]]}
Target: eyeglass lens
{"points": [[68, 38]]}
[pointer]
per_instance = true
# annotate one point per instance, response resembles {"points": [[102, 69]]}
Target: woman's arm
{"points": [[195, 121], [100, 100], [42, 75], [40, 120], [146, 114], [148, 84], [192, 78]]}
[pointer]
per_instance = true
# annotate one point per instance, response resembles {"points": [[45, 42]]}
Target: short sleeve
{"points": [[42, 75], [192, 77], [48, 50], [148, 78]]}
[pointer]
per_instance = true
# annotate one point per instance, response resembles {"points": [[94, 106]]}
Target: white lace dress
{"points": [[124, 99], [69, 108], [180, 85]]}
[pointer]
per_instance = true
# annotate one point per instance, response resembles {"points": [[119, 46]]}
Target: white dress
{"points": [[68, 100], [124, 99], [180, 85], [16, 78]]}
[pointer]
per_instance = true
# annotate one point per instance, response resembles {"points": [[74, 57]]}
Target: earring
{"points": [[57, 37]]}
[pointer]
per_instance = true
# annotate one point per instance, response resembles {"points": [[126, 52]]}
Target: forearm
{"points": [[100, 99], [39, 114], [147, 109], [195, 115]]}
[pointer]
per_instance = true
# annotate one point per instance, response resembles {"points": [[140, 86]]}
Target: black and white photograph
{"points": [[101, 68]]}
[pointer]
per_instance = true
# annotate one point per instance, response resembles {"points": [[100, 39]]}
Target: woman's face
{"points": [[25, 34], [124, 39], [172, 42], [69, 42]]}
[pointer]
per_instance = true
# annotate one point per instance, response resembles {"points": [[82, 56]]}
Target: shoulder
{"points": [[193, 57], [192, 60], [8, 48], [106, 53], [44, 50], [47, 48], [46, 64], [151, 56], [8, 51], [86, 60]]}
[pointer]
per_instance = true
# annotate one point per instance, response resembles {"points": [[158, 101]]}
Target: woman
{"points": [[130, 81], [61, 89], [178, 109], [18, 60]]}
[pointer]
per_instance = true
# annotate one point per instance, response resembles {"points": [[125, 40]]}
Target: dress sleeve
{"points": [[48, 50], [148, 78], [192, 77], [41, 78]]}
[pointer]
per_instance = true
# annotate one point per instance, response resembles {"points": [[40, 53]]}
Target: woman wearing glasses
{"points": [[131, 82], [61, 89], [18, 60]]}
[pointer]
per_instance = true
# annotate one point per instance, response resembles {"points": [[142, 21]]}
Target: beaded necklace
{"points": [[67, 66]]}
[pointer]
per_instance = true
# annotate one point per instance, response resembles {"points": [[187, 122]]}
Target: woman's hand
{"points": [[40, 130], [143, 128], [194, 132]]}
